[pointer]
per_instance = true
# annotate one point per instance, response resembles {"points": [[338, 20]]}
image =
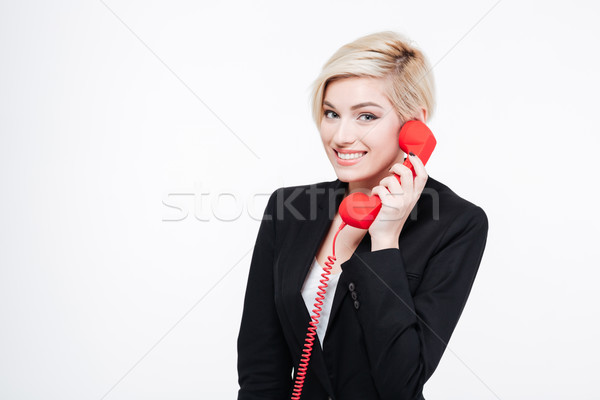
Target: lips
{"points": [[349, 157]]}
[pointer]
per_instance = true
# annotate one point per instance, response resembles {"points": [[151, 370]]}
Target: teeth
{"points": [[350, 156]]}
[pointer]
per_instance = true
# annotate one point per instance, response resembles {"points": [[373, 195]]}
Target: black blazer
{"points": [[387, 342]]}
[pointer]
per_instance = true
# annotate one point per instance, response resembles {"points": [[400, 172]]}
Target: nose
{"points": [[346, 133]]}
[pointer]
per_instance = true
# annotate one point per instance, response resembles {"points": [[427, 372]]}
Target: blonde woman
{"points": [[396, 289]]}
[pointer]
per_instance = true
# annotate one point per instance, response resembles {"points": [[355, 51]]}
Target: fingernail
{"points": [[410, 153]]}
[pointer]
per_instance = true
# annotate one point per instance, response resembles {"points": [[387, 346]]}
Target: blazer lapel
{"points": [[342, 286], [310, 235]]}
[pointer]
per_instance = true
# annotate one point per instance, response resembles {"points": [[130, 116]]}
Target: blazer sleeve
{"points": [[405, 335], [264, 361]]}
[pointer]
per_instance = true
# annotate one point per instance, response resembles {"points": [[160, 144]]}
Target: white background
{"points": [[110, 112]]}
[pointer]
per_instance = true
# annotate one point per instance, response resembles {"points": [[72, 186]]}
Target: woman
{"points": [[396, 290]]}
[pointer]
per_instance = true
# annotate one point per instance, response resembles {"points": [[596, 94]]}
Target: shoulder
{"points": [[304, 202], [439, 197], [442, 219], [442, 214]]}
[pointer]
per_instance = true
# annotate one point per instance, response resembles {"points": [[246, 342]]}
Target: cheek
{"points": [[385, 139], [325, 134], [387, 145]]}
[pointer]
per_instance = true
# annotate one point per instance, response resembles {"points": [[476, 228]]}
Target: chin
{"points": [[349, 176]]}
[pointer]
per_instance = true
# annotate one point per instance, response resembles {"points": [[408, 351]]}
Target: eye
{"points": [[367, 117], [330, 114]]}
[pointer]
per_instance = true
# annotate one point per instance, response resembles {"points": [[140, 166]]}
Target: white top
{"points": [[309, 293]]}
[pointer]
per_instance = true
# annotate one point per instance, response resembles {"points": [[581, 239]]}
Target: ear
{"points": [[422, 115]]}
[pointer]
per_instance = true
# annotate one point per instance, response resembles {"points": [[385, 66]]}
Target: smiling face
{"points": [[360, 130]]}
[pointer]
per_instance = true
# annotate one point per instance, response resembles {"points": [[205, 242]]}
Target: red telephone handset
{"points": [[358, 209]]}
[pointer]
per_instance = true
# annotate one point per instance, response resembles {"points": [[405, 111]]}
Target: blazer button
{"points": [[356, 304], [354, 295], [351, 286]]}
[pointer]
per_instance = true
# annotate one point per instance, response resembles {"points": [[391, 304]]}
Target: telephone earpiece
{"points": [[360, 210]]}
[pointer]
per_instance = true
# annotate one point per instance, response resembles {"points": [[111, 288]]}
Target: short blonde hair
{"points": [[387, 55]]}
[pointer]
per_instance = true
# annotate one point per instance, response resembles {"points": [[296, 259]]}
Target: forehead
{"points": [[350, 91]]}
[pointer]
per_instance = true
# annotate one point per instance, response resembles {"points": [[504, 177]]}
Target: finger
{"points": [[386, 197], [392, 184], [406, 176], [421, 174]]}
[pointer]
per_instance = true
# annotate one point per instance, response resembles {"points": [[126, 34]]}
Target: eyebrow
{"points": [[354, 107]]}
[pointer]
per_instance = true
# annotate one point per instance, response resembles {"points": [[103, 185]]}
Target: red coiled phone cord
{"points": [[312, 328]]}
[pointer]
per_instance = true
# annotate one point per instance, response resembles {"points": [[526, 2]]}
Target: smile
{"points": [[350, 156]]}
